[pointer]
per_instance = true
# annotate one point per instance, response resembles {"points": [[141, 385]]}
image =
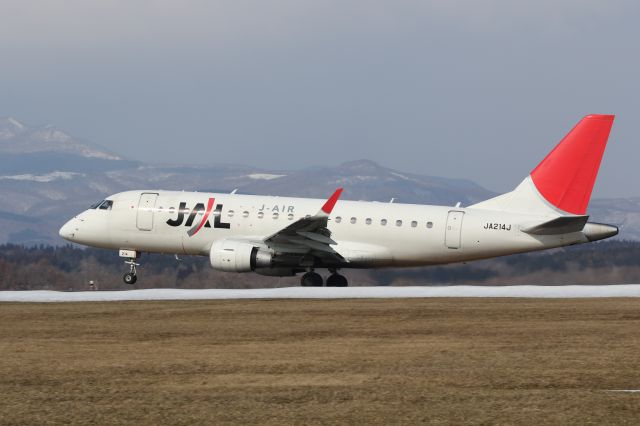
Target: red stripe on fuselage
{"points": [[206, 216]]}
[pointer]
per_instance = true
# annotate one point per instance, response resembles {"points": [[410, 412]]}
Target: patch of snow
{"points": [[91, 153], [51, 134], [264, 176], [18, 125], [354, 179], [524, 291], [10, 127], [400, 176], [103, 189], [55, 195], [49, 177], [157, 177]]}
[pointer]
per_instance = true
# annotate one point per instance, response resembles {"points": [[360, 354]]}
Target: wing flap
{"points": [[317, 237], [311, 244]]}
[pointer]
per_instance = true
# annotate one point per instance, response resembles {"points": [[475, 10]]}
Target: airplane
{"points": [[282, 236]]}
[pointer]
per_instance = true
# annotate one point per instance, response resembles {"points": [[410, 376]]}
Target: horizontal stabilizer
{"points": [[559, 225]]}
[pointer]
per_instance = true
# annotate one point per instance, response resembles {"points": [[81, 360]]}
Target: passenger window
{"points": [[368, 221], [245, 214], [353, 220], [260, 215], [398, 223], [275, 215], [230, 213], [414, 223], [290, 216], [338, 219], [429, 225], [383, 222]]}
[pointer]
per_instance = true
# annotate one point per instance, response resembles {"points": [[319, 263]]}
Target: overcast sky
{"points": [[473, 89]]}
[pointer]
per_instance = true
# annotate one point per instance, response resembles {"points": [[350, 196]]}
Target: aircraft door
{"points": [[146, 206], [453, 232]]}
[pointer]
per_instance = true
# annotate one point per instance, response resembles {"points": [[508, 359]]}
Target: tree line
{"points": [[73, 268]]}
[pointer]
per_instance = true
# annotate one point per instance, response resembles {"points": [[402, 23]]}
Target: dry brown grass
{"points": [[435, 361]]}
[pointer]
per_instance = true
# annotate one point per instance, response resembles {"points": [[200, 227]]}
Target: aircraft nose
{"points": [[69, 230]]}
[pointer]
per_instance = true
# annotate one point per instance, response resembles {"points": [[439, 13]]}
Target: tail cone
{"points": [[599, 231]]}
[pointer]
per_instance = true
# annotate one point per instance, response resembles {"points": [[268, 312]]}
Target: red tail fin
{"points": [[566, 176]]}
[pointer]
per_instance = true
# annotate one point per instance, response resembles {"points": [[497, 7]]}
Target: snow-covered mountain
{"points": [[36, 204], [622, 212], [46, 176], [19, 138]]}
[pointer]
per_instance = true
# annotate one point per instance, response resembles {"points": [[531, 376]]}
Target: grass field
{"points": [[434, 361]]}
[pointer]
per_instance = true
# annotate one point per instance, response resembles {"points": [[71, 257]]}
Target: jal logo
{"points": [[199, 209]]}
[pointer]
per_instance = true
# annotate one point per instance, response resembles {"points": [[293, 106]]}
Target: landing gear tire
{"points": [[311, 279], [337, 280], [130, 278]]}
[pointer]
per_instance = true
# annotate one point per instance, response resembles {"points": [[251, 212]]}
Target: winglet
{"points": [[331, 202]]}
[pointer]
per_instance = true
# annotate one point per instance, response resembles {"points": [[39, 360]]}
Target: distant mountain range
{"points": [[47, 176]]}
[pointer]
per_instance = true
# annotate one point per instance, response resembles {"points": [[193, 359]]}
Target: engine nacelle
{"points": [[238, 256]]}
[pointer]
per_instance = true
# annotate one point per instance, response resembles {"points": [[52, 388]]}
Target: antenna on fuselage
{"points": [[234, 191], [392, 200]]}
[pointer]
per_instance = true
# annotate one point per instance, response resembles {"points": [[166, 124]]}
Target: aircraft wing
{"points": [[308, 235]]}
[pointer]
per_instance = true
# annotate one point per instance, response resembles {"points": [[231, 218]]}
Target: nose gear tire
{"points": [[130, 278]]}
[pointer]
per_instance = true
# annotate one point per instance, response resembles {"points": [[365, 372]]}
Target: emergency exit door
{"points": [[453, 232], [146, 206]]}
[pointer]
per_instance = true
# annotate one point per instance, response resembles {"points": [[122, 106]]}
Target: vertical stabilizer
{"points": [[562, 183]]}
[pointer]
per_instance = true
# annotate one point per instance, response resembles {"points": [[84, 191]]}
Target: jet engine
{"points": [[238, 256]]}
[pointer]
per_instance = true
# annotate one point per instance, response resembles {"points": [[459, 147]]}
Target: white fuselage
{"points": [[285, 236], [368, 234]]}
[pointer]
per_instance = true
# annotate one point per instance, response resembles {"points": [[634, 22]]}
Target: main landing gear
{"points": [[337, 280], [132, 276], [313, 279]]}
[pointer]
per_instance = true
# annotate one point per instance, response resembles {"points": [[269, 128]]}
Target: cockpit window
{"points": [[106, 205], [102, 205]]}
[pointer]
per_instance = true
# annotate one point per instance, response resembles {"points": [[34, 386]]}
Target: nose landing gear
{"points": [[130, 277]]}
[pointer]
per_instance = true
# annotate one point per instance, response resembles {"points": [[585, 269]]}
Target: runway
{"points": [[523, 291], [322, 361]]}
